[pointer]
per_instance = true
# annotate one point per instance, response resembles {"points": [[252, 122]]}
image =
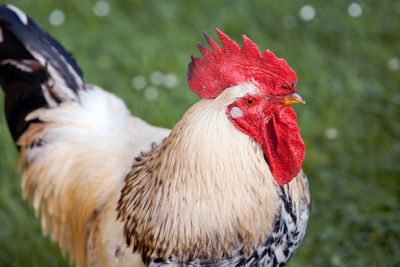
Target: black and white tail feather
{"points": [[35, 70]]}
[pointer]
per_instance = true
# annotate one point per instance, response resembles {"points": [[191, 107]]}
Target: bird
{"points": [[223, 187]]}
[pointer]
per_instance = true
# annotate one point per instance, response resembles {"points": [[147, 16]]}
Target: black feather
{"points": [[31, 62], [35, 40], [23, 95]]}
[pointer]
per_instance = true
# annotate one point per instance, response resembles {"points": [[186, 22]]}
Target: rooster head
{"points": [[262, 111]]}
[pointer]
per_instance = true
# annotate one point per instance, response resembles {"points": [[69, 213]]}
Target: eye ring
{"points": [[250, 101]]}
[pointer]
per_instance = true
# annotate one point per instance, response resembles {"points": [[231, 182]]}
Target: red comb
{"points": [[223, 68]]}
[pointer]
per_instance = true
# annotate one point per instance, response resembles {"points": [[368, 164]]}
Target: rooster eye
{"points": [[250, 101]]}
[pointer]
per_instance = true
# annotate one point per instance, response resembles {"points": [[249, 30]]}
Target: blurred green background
{"points": [[347, 58]]}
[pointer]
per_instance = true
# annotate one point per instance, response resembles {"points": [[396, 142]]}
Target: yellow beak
{"points": [[294, 98]]}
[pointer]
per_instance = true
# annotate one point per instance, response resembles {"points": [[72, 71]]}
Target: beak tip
{"points": [[293, 98]]}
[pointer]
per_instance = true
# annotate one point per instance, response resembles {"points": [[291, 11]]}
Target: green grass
{"points": [[342, 67]]}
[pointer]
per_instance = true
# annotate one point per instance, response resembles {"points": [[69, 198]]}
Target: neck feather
{"points": [[204, 192]]}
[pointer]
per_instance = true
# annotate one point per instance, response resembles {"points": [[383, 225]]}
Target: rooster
{"points": [[224, 187]]}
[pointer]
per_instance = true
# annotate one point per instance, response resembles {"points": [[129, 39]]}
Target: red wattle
{"points": [[283, 146]]}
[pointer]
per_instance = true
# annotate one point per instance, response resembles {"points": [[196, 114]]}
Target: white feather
{"points": [[21, 15]]}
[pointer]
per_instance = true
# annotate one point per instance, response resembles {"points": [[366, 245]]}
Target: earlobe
{"points": [[236, 112]]}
